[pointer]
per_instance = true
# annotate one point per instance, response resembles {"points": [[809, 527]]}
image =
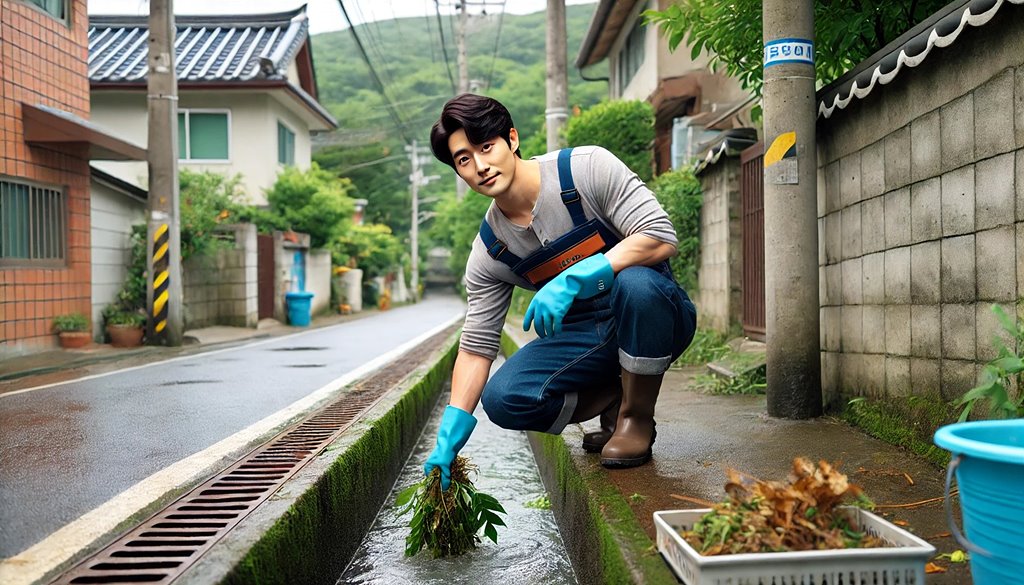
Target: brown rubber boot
{"points": [[594, 441], [634, 435]]}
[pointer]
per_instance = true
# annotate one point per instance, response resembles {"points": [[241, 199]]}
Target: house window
{"points": [[632, 55], [285, 145], [203, 135], [32, 224], [55, 8]]}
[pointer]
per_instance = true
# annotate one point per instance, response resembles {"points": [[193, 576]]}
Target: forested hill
{"points": [[408, 57]]}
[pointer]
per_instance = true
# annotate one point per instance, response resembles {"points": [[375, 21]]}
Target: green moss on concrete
{"points": [[909, 422], [606, 542], [315, 538]]}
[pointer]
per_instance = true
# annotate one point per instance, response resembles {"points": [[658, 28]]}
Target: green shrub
{"points": [[70, 322], [707, 346], [680, 194], [373, 248], [626, 128], [314, 202], [455, 227], [113, 314], [207, 199]]}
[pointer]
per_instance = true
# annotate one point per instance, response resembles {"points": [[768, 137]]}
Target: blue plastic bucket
{"points": [[988, 459], [298, 304]]}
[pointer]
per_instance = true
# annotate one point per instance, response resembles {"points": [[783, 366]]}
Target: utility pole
{"points": [[164, 296], [416, 179], [557, 111], [790, 211]]}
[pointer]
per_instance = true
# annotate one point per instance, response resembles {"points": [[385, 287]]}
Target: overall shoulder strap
{"points": [[496, 249], [570, 196]]}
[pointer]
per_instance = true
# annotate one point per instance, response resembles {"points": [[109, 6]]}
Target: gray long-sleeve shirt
{"points": [[608, 190]]}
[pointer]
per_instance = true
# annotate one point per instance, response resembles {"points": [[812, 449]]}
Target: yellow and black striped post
{"points": [[161, 282]]}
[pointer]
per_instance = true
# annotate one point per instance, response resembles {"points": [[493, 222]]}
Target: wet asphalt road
{"points": [[66, 449]]}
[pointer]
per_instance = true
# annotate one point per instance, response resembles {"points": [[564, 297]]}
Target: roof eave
{"points": [[52, 127]]}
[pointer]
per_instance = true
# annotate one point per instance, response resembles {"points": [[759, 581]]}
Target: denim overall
{"points": [[643, 324]]}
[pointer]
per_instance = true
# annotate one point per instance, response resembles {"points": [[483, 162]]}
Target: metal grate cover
{"points": [[163, 547]]}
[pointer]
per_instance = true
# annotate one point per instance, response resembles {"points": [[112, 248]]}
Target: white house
{"points": [[247, 94], [686, 95]]}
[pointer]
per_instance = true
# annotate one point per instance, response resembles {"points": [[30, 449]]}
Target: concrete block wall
{"points": [[721, 264], [922, 221], [222, 289], [318, 279]]}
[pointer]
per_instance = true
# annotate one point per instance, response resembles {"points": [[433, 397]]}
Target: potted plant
{"points": [[73, 330], [125, 327]]}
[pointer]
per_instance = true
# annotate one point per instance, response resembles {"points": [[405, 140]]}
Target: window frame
{"points": [[63, 217], [632, 54], [188, 132], [66, 5], [282, 124]]}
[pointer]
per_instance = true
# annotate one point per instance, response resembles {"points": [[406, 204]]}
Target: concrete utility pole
{"points": [[790, 211], [416, 179], [557, 111], [164, 296]]}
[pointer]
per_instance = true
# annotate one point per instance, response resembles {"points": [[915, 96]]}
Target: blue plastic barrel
{"points": [[299, 307], [988, 459]]}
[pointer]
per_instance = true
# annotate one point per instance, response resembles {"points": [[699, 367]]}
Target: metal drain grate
{"points": [[164, 546]]}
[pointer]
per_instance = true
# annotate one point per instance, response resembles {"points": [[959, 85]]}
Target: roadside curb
{"points": [[311, 527], [606, 543]]}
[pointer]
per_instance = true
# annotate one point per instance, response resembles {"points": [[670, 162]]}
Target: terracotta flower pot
{"points": [[74, 339], [125, 335]]}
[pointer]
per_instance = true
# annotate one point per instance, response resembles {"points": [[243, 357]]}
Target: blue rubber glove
{"points": [[456, 426], [582, 280]]}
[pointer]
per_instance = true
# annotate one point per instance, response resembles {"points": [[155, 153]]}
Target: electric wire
{"points": [[373, 74], [497, 41], [444, 46]]}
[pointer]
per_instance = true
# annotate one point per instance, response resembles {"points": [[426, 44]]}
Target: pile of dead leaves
{"points": [[768, 516]]}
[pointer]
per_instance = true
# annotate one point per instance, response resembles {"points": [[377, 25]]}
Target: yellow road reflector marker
{"points": [[784, 146]]}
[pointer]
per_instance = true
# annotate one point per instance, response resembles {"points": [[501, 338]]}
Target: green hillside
{"points": [[408, 58]]}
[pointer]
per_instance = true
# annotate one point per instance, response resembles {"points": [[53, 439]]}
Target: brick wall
{"points": [[43, 62], [221, 289], [922, 217]]}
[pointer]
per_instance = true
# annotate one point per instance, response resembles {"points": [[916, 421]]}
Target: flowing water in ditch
{"points": [[529, 549]]}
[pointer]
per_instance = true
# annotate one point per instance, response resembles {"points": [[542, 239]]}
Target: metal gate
{"points": [[752, 193], [265, 275]]}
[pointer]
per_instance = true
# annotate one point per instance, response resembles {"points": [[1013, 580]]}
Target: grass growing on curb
{"points": [[707, 346], [907, 422], [605, 540], [322, 528]]}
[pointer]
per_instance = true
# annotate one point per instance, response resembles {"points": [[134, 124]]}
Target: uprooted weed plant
{"points": [[769, 516], [447, 522]]}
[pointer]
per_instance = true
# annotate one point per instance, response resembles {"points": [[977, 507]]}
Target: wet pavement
{"points": [[529, 550], [700, 436], [68, 448]]}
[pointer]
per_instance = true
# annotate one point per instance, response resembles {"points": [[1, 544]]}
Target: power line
{"points": [[373, 74], [497, 41], [444, 46]]}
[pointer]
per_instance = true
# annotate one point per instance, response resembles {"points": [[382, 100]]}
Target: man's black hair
{"points": [[482, 117]]}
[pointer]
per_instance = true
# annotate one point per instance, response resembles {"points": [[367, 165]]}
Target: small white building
{"points": [[688, 98], [247, 94]]}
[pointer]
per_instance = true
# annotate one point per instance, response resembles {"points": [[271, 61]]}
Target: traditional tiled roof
{"points": [[909, 50], [208, 48], [728, 143]]}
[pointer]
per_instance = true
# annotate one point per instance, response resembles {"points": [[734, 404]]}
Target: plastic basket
{"points": [[902, 564]]}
